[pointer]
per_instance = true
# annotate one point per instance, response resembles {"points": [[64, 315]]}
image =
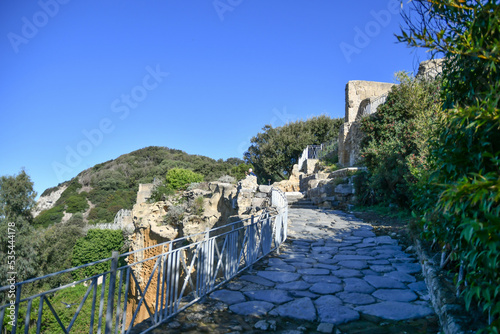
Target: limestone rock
{"points": [[48, 201]]}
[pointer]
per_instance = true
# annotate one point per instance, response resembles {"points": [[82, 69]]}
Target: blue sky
{"points": [[83, 82]]}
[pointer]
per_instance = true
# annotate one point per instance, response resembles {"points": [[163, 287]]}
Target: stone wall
{"points": [[361, 97]]}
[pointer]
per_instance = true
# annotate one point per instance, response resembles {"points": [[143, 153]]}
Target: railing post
{"points": [[111, 292], [17, 305]]}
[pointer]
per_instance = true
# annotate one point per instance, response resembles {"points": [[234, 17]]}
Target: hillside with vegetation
{"points": [[99, 192]]}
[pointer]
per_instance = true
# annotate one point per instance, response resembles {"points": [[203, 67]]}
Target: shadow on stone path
{"points": [[333, 275]]}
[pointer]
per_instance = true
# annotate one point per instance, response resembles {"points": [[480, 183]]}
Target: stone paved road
{"points": [[334, 270]]}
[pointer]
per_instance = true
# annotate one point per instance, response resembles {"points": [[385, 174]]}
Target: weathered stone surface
{"points": [[357, 285], [321, 279], [296, 285], [279, 277], [396, 295], [330, 310], [271, 296], [325, 288], [363, 233], [282, 267], [228, 297], [396, 310], [274, 261], [253, 308], [325, 328], [347, 273], [409, 268], [313, 271], [356, 298], [301, 309], [361, 99], [418, 286], [402, 277], [264, 189], [383, 282], [353, 264], [262, 325], [382, 268], [327, 266], [341, 257], [303, 293], [257, 280]]}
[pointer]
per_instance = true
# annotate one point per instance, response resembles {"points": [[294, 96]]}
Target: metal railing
{"points": [[317, 151], [371, 108], [157, 283]]}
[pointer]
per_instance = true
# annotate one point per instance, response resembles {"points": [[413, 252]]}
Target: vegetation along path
{"points": [[333, 275]]}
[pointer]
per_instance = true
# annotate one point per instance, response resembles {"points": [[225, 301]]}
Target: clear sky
{"points": [[83, 82]]}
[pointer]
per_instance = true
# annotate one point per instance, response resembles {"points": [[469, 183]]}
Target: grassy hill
{"points": [[101, 191]]}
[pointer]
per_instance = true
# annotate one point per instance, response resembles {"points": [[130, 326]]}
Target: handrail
{"points": [[315, 152], [173, 276]]}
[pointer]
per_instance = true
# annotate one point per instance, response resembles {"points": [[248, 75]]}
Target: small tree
{"points": [[179, 179], [17, 196]]}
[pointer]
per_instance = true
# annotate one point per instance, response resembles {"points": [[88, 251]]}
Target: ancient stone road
{"points": [[332, 270]]}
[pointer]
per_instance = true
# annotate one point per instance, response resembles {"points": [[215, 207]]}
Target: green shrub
{"points": [[179, 179], [198, 206], [459, 200], [160, 193], [71, 190], [396, 141], [49, 217], [175, 215], [238, 172], [77, 203], [96, 245]]}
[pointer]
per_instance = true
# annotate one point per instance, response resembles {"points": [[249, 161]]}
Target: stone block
{"points": [[257, 202], [344, 189], [264, 189], [260, 195]]}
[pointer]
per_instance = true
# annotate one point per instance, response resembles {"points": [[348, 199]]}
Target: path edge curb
{"points": [[449, 314]]}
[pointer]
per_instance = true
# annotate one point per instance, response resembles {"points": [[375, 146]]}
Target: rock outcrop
{"points": [[48, 201], [293, 183], [197, 210]]}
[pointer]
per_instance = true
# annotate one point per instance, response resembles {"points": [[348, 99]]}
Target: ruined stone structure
{"points": [[361, 98], [223, 203]]}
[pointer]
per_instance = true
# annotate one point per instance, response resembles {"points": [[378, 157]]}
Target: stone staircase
{"points": [[297, 200]]}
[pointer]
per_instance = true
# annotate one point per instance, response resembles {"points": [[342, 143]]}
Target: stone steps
{"points": [[293, 197], [303, 204]]}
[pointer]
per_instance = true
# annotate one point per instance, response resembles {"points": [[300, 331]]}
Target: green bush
{"points": [[49, 217], [396, 140], [160, 192], [96, 245], [179, 179], [77, 203], [175, 215], [459, 201], [238, 172]]}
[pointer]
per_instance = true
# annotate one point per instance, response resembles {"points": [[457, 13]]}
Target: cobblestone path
{"points": [[332, 271]]}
